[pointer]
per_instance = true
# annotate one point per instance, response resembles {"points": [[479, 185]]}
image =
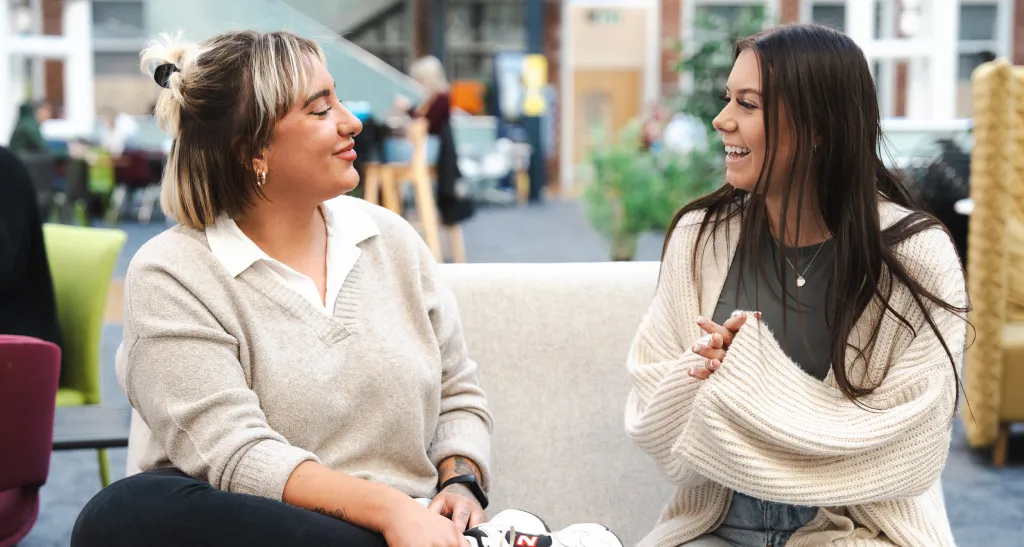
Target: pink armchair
{"points": [[29, 369]]}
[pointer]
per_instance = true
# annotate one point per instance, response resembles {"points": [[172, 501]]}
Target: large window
{"points": [[476, 30], [978, 42], [719, 13], [831, 15], [386, 36], [979, 35], [118, 19], [116, 63]]}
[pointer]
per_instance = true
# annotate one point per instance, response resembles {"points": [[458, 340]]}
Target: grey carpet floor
{"points": [[985, 505]]}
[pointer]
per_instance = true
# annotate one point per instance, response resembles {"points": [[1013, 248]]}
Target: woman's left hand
{"points": [[458, 503], [713, 346]]}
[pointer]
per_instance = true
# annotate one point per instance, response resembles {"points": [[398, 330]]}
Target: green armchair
{"points": [[82, 262]]}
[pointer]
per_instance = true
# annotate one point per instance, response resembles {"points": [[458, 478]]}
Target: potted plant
{"points": [[632, 191]]}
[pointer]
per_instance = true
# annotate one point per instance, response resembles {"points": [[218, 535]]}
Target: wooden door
{"points": [[605, 100]]}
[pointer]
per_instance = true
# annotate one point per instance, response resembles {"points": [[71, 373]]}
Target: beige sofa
{"points": [[551, 340]]}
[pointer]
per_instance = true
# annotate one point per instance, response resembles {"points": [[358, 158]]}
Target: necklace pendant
{"points": [[800, 281]]}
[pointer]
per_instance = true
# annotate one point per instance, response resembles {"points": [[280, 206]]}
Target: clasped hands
{"points": [[715, 343]]}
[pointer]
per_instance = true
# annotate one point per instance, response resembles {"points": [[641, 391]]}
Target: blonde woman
{"points": [[298, 361]]}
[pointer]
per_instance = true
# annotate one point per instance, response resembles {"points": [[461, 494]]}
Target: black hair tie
{"points": [[163, 74]]}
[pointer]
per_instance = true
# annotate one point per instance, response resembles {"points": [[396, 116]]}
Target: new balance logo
{"points": [[523, 540]]}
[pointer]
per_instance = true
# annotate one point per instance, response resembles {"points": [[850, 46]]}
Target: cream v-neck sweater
{"points": [[240, 379], [761, 426]]}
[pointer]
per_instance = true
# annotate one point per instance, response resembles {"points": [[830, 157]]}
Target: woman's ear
{"points": [[259, 164], [261, 161]]}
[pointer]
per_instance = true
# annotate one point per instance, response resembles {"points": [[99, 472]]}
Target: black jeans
{"points": [[167, 508]]}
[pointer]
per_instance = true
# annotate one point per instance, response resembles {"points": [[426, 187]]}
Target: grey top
{"points": [[806, 335]]}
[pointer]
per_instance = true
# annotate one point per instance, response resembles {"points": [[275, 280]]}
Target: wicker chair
{"points": [[994, 369]]}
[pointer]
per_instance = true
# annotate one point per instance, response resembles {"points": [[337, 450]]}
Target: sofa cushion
{"points": [[551, 342]]}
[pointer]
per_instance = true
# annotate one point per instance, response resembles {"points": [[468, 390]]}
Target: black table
{"points": [[91, 427]]}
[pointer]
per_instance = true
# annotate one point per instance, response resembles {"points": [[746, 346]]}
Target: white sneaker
{"points": [[515, 528], [522, 521], [510, 528], [586, 535]]}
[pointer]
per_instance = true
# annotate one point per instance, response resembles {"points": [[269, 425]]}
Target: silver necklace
{"points": [[800, 281]]}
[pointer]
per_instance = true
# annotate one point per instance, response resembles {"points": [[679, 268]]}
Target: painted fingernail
{"points": [[699, 347], [715, 363], [689, 372], [700, 320], [736, 314]]}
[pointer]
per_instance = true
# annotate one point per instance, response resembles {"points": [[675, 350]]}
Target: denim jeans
{"points": [[751, 522]]}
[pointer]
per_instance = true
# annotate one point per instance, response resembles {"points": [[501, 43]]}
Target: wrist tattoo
{"points": [[463, 467], [333, 513], [455, 466]]}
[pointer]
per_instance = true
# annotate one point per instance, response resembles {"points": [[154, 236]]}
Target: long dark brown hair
{"points": [[820, 78]]}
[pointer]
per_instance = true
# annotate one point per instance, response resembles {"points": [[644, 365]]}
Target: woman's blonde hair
{"points": [[429, 72], [221, 102]]}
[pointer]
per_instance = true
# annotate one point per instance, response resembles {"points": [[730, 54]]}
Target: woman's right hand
{"points": [[413, 525]]}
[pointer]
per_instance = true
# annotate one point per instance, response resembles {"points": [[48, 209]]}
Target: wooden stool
{"points": [[383, 186]]}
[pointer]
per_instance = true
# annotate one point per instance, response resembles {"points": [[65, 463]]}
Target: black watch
{"points": [[470, 481]]}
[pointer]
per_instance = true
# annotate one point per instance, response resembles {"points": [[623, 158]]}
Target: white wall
{"points": [[75, 47]]}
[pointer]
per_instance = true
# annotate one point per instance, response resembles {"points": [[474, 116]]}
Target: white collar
{"points": [[346, 224]]}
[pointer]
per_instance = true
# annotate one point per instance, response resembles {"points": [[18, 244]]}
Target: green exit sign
{"points": [[604, 16]]}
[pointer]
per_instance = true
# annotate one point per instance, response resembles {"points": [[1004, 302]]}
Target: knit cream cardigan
{"points": [[761, 426]]}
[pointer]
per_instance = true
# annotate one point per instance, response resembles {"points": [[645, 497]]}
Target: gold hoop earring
{"points": [[261, 178]]}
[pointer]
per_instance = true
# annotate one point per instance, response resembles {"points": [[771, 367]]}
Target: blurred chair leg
{"points": [[371, 186], [104, 467], [389, 191], [80, 212], [117, 200], [458, 246], [150, 196], [1002, 445], [426, 209], [522, 179]]}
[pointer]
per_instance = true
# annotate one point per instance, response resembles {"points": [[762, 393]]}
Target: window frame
{"points": [[998, 44], [688, 16]]}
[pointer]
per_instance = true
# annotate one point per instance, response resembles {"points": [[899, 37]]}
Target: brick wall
{"points": [[553, 52], [53, 69], [789, 11], [670, 34]]}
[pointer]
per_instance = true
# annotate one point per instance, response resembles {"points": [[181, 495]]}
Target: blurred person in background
{"points": [[27, 137], [436, 109], [114, 129]]}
